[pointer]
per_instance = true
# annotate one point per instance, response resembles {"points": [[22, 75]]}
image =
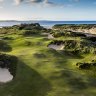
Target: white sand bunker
{"points": [[44, 34], [5, 75], [50, 36], [56, 47]]}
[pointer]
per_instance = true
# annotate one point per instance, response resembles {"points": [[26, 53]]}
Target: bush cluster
{"points": [[68, 33], [75, 46], [30, 32], [30, 26], [74, 26], [86, 65], [4, 46]]}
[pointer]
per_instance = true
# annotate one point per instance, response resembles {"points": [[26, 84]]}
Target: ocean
{"points": [[46, 24]]}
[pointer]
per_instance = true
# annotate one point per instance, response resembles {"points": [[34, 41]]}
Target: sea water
{"points": [[46, 24]]}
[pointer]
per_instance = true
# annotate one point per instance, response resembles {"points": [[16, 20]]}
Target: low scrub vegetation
{"points": [[86, 65], [68, 34], [30, 32], [74, 26], [4, 46], [43, 71], [26, 29], [75, 46]]}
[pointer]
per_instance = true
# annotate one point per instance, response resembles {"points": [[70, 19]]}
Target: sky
{"points": [[59, 10]]}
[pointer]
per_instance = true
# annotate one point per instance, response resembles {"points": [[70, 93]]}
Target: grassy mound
{"points": [[74, 26], [58, 34], [35, 26], [42, 71], [9, 62], [76, 46]]}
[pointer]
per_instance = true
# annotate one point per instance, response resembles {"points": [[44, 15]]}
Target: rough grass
{"points": [[45, 72]]}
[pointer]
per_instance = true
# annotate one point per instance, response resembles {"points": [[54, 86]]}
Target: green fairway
{"points": [[46, 72]]}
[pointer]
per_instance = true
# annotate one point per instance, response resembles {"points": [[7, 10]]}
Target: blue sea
{"points": [[46, 24]]}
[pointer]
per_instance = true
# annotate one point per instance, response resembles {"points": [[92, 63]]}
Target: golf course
{"points": [[47, 62]]}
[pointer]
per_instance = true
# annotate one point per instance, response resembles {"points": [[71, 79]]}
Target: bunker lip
{"points": [[8, 66], [56, 47], [5, 75]]}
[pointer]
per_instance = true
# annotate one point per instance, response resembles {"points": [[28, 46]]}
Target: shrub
{"points": [[77, 34], [93, 39], [30, 32], [75, 46], [86, 65], [7, 38], [31, 26], [58, 34], [74, 26], [4, 46], [71, 44]]}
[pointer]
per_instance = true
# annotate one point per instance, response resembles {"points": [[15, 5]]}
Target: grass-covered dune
{"points": [[85, 28], [75, 26], [42, 71]]}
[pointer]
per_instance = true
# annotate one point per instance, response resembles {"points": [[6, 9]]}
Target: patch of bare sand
{"points": [[5, 75]]}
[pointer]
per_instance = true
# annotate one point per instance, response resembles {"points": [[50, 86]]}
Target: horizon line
{"points": [[47, 20]]}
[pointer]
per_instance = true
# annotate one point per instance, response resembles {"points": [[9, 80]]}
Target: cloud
{"points": [[1, 7], [1, 0], [44, 2], [34, 1], [17, 2], [48, 3]]}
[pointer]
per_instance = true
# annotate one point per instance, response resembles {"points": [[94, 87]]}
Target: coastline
{"points": [[46, 24]]}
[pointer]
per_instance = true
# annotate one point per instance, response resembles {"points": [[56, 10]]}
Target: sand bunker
{"points": [[5, 75], [50, 36], [44, 34], [56, 47]]}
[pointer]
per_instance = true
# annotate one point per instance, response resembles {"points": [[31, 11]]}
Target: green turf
{"points": [[45, 72]]}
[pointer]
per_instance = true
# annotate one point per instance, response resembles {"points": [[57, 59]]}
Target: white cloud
{"points": [[1, 4], [48, 3], [1, 0], [1, 7], [17, 2], [44, 2]]}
